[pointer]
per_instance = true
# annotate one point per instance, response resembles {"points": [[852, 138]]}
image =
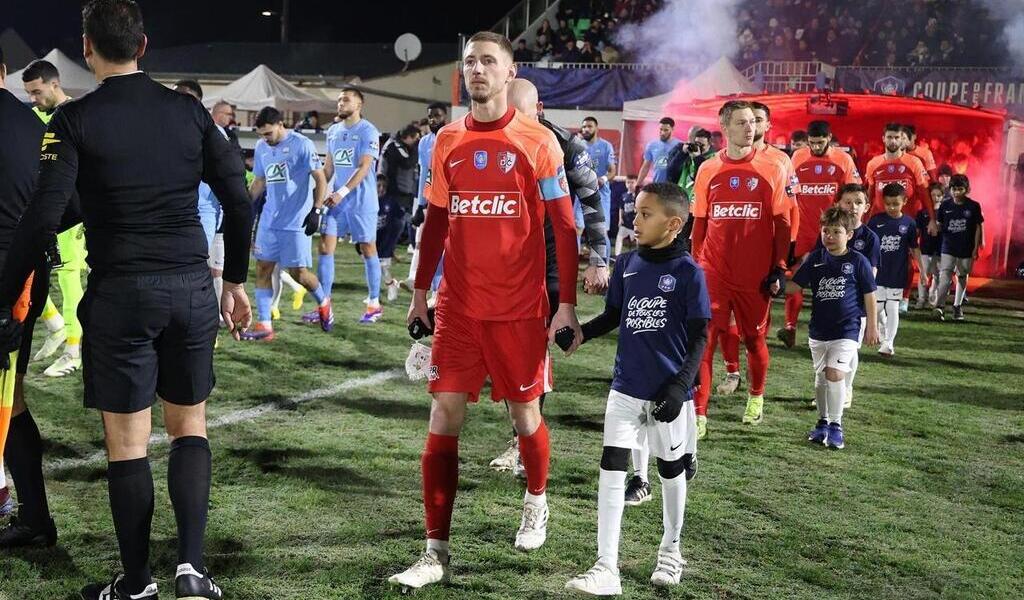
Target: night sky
{"points": [[57, 23]]}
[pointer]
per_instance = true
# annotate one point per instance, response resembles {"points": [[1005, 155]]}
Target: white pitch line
{"points": [[242, 416]]}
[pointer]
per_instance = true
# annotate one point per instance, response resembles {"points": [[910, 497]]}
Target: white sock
{"points": [[54, 323], [854, 363], [288, 280], [673, 507], [275, 285], [821, 394], [892, 321], [640, 459], [539, 500], [611, 500], [73, 350], [881, 315], [385, 270], [836, 397], [961, 289], [438, 546], [3, 476], [218, 289]]}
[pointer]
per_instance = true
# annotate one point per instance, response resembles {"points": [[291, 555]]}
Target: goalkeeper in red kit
{"points": [[494, 176]]}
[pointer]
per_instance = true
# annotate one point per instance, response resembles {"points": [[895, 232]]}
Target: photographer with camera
{"points": [[685, 158]]}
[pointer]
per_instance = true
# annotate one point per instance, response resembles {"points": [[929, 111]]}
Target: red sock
{"points": [[757, 363], [703, 395], [731, 349], [536, 453], [794, 303], [440, 463]]}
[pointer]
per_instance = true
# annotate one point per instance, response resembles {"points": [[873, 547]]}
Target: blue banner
{"points": [[592, 88], [990, 88]]}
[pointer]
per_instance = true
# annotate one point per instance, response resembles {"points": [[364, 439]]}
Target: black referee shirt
{"points": [[136, 151], [20, 134]]}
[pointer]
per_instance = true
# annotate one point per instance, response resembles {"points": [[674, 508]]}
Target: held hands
{"points": [[565, 317], [595, 279], [336, 198], [775, 283], [235, 308], [933, 227]]}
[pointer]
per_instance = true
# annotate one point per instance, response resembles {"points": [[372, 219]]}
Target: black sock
{"points": [[188, 482], [130, 483], [24, 457]]}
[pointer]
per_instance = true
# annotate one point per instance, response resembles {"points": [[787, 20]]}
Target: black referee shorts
{"points": [[145, 336]]}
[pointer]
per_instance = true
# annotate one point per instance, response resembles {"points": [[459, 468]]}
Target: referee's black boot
{"points": [[190, 584], [118, 590], [20, 535]]}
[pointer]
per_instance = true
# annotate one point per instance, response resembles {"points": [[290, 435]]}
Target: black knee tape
{"points": [[671, 469], [615, 459]]}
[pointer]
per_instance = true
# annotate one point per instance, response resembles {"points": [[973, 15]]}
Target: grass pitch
{"points": [[317, 493]]}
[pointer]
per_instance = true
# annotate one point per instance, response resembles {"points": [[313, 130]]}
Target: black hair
{"points": [[40, 69], [819, 129], [115, 29], [960, 180], [268, 115], [764, 107], [408, 131], [908, 129], [594, 121], [353, 90], [670, 196], [192, 85], [892, 190], [667, 121], [1, 56], [441, 106], [798, 136], [851, 188], [893, 127], [702, 133], [945, 170]]}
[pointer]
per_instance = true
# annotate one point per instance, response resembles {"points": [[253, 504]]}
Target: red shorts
{"points": [[514, 354], [751, 310]]}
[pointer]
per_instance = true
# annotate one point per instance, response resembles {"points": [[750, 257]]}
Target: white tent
{"points": [[720, 79], [74, 79], [263, 87]]}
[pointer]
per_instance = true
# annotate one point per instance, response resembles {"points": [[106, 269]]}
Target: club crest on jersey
{"points": [[892, 168], [817, 169], [667, 283], [858, 245], [752, 183], [848, 267], [506, 160], [480, 159], [903, 168], [832, 170], [967, 212], [734, 183], [904, 228]]}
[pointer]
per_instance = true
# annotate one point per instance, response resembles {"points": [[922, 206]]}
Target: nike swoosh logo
{"points": [[452, 164], [820, 265], [673, 448], [714, 185], [625, 275], [802, 169], [524, 388]]}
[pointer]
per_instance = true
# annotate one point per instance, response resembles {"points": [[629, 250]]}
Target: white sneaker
{"points": [[506, 461], [425, 571], [51, 345], [533, 529], [885, 349], [849, 397], [598, 581], [669, 570], [393, 287], [519, 469], [64, 365]]}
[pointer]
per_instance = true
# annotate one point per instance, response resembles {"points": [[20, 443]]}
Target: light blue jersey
{"points": [[346, 147], [426, 152], [656, 153], [209, 211], [603, 156], [287, 169]]}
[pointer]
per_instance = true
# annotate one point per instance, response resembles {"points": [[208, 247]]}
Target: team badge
{"points": [[967, 212], [817, 169], [583, 160], [848, 267], [831, 169], [892, 168], [285, 151], [903, 168], [344, 137], [432, 373], [734, 183], [667, 283], [752, 183], [903, 228], [480, 159], [506, 160], [562, 181], [857, 245]]}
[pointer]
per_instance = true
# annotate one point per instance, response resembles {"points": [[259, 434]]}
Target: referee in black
{"points": [[136, 152], [21, 132]]}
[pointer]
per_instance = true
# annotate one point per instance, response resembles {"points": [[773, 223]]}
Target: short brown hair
{"points": [[490, 36], [725, 113], [835, 216]]}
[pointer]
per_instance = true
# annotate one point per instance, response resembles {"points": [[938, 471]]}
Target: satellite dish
{"points": [[408, 48]]}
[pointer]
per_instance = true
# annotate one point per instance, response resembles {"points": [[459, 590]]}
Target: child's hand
{"points": [[871, 336]]}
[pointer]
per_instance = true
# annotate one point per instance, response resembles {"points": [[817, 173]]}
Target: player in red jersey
{"points": [[921, 151], [741, 235], [494, 176], [821, 169], [896, 166]]}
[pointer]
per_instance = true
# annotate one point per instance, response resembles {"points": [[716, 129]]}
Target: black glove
{"points": [[777, 275], [312, 222], [419, 214], [418, 329], [791, 259], [670, 401], [564, 337], [10, 335]]}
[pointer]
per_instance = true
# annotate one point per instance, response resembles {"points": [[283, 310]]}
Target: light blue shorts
{"points": [[356, 220], [210, 219], [287, 248]]}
